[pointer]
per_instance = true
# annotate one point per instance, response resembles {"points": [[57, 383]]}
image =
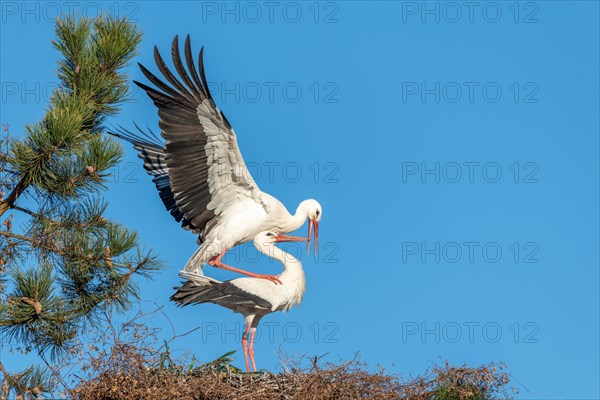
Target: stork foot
{"points": [[272, 278]]}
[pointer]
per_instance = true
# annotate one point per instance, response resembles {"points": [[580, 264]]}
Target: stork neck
{"points": [[292, 277], [296, 221], [290, 263], [286, 259]]}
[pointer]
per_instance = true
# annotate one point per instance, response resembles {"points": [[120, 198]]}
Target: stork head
{"points": [[314, 212], [268, 238]]}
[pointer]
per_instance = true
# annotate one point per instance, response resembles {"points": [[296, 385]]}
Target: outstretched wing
{"points": [[151, 150], [207, 173]]}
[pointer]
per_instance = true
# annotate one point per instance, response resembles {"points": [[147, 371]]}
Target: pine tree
{"points": [[61, 261]]}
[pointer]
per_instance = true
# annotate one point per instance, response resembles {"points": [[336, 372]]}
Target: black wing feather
{"points": [[225, 294], [189, 59], [188, 119], [152, 152]]}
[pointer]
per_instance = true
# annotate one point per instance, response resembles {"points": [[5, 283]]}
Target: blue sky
{"points": [[454, 149]]}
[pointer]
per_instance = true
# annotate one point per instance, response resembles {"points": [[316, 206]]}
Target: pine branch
{"points": [[34, 242], [13, 196], [67, 262], [31, 382], [91, 88]]}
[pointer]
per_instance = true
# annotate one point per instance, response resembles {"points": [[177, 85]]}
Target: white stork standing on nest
{"points": [[199, 170], [253, 298]]}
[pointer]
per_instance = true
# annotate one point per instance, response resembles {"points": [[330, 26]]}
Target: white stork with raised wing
{"points": [[253, 298], [199, 170]]}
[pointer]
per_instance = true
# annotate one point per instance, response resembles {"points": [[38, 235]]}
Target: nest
{"points": [[349, 380]]}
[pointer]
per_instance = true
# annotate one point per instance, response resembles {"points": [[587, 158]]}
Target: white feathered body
{"points": [[240, 223], [252, 297]]}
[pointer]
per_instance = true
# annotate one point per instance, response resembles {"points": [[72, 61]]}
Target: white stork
{"points": [[199, 171], [253, 298]]}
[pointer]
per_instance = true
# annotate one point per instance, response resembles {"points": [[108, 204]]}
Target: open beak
{"points": [[286, 238], [311, 223]]}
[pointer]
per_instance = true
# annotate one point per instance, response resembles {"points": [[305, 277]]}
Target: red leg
{"points": [[245, 346], [251, 348], [216, 262]]}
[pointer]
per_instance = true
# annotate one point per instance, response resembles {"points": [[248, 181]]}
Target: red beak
{"points": [[316, 237], [312, 222], [286, 238]]}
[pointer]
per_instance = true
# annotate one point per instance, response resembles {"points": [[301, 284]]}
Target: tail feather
{"points": [[193, 293], [196, 261], [226, 294], [199, 279]]}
